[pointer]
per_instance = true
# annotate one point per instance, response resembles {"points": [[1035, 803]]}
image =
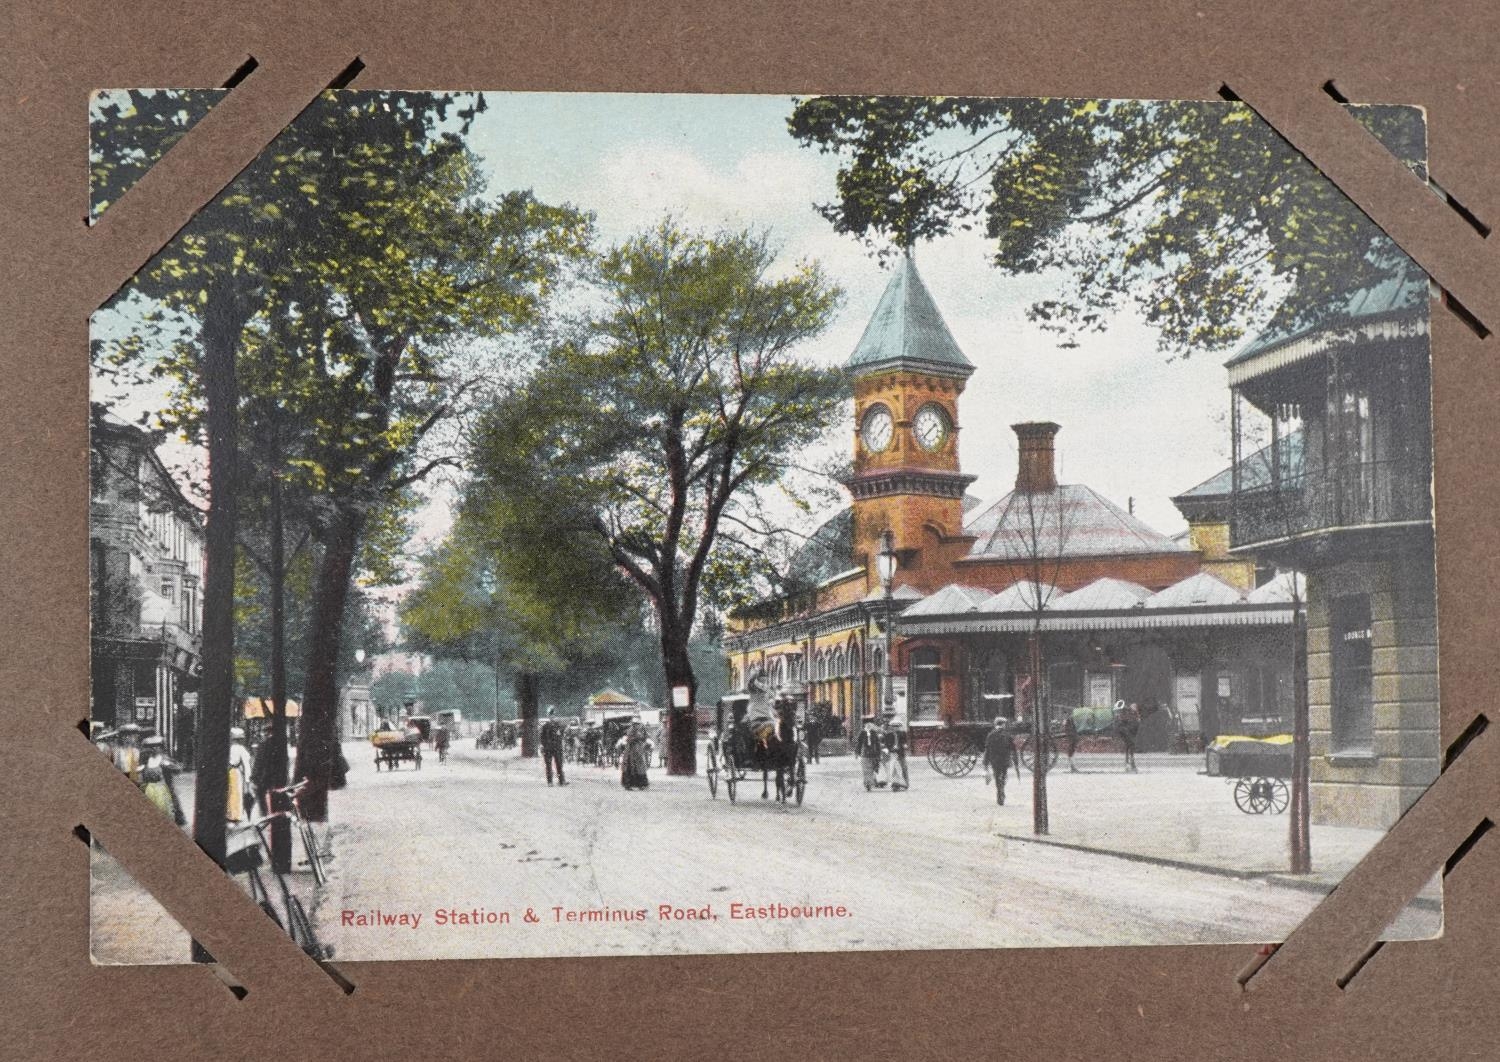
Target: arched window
{"points": [[840, 663]]}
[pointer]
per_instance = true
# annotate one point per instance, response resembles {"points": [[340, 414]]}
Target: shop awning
{"points": [[262, 708]]}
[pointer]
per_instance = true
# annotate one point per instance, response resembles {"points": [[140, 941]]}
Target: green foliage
{"points": [[362, 628], [659, 430], [1197, 213]]}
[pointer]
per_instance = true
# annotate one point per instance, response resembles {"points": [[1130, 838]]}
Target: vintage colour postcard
{"points": [[588, 524]]}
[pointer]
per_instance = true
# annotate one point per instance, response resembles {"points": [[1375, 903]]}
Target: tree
{"points": [[266, 233], [361, 252], [1198, 213], [532, 599], [656, 428]]}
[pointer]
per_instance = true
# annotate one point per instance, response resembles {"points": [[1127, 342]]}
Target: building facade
{"points": [[1121, 610], [1332, 477], [146, 578]]}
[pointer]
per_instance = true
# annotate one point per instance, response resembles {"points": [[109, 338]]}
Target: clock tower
{"points": [[908, 373]]}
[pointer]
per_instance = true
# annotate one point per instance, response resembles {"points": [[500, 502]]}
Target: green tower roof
{"points": [[907, 331]]}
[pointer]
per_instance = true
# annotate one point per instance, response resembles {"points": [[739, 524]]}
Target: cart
{"points": [[1258, 767], [954, 749], [395, 747]]}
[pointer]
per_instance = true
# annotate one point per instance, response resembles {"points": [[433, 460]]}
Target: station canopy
{"points": [[1201, 600]]}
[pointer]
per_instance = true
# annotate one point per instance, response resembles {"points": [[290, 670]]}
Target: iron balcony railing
{"points": [[1353, 495]]}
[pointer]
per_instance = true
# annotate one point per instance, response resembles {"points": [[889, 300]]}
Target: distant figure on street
{"points": [[1129, 725], [868, 748], [241, 767], [552, 748], [1070, 737], [440, 742], [812, 733], [999, 750], [893, 740], [635, 759], [127, 751], [156, 778]]}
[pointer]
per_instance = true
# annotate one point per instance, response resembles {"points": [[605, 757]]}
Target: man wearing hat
{"points": [[241, 767], [999, 750], [893, 739], [552, 747], [868, 748]]}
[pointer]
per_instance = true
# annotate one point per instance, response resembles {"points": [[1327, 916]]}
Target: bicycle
{"points": [[248, 861], [284, 803]]}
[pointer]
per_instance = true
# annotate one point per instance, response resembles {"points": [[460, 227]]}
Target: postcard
{"points": [[576, 524]]}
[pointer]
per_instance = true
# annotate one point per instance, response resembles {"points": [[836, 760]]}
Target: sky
{"points": [[1134, 424]]}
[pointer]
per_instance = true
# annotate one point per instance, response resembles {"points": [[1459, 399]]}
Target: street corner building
{"points": [[1197, 629], [1332, 477], [145, 579]]}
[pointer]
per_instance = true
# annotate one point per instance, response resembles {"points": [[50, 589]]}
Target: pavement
{"points": [[480, 858]]}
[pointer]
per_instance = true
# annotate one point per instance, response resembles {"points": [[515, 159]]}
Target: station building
{"points": [[1120, 610]]}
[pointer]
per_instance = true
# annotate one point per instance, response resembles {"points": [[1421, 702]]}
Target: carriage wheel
{"points": [[1247, 798], [730, 778], [799, 782], [1279, 796], [713, 775], [1028, 757], [952, 754]]}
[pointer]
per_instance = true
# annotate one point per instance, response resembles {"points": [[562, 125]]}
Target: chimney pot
{"points": [[1036, 472]]}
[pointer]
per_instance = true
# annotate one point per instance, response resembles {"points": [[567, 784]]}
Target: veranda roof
{"points": [[1200, 600]]}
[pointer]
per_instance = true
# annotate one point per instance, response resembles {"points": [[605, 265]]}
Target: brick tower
{"points": [[908, 374]]}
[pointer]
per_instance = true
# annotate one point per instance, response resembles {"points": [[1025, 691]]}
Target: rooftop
{"points": [[907, 330], [1071, 521]]}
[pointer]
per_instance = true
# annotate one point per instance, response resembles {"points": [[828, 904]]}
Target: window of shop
{"points": [[926, 684], [989, 688], [1065, 686], [1351, 637]]}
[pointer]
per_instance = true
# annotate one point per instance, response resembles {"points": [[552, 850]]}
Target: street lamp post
{"points": [[885, 568], [359, 661]]}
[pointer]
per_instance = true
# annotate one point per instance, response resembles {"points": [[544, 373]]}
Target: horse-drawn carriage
{"points": [[1258, 766], [394, 747], [954, 748], [754, 735]]}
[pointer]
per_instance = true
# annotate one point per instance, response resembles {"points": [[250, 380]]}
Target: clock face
{"points": [[931, 427], [877, 429]]}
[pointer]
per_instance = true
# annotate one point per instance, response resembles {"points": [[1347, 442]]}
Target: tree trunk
{"points": [[527, 700], [281, 829], [317, 738], [222, 322], [1039, 823], [682, 723]]}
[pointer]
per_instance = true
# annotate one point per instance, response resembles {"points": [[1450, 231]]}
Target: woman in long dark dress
{"points": [[636, 759]]}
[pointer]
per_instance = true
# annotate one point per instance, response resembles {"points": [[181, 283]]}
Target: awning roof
{"points": [[1201, 600], [253, 708]]}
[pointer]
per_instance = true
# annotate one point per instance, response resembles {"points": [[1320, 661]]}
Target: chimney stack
{"points": [[1036, 473]]}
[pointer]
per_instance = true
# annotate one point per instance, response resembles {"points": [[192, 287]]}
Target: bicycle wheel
{"points": [[314, 856], [299, 928]]}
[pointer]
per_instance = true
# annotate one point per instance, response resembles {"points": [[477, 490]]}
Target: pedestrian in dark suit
{"points": [[812, 733], [999, 750], [867, 747], [552, 748], [1130, 732]]}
